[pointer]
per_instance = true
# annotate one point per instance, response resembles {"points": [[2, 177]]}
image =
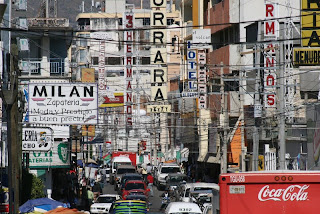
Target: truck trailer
{"points": [[270, 192]]}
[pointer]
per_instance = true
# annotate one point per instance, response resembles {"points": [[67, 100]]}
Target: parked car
{"points": [[121, 170], [135, 187], [127, 177], [104, 203]]}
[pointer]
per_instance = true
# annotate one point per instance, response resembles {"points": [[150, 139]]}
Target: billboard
{"points": [[37, 139], [58, 157], [63, 103], [116, 100]]}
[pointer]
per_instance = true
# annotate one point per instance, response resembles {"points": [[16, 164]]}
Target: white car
{"points": [[103, 203]]}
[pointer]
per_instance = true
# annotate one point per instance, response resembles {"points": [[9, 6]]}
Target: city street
{"points": [[155, 201]]}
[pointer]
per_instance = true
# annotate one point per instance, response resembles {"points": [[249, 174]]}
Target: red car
{"points": [[135, 187]]}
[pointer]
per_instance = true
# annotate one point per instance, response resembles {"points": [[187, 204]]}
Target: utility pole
{"points": [[224, 121], [257, 104], [243, 148], [281, 113]]}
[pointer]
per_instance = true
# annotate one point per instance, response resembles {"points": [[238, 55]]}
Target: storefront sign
{"points": [[58, 157], [67, 104], [37, 139]]}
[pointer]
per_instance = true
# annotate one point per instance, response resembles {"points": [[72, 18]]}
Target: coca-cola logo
{"points": [[291, 193]]}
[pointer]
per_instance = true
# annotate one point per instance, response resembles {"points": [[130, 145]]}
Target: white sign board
{"points": [[201, 36], [58, 157], [37, 139], [63, 104]]}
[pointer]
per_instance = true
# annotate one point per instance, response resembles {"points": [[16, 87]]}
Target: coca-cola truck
{"points": [[270, 192], [131, 155]]}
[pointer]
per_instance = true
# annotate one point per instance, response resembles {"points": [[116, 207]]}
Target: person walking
{"points": [[96, 189], [90, 197], [150, 180]]}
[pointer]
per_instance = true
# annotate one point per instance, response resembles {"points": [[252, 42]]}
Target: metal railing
{"points": [[33, 67]]}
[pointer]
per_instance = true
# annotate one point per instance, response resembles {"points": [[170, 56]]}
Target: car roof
{"points": [[132, 174], [202, 184], [177, 174], [109, 195], [135, 181], [174, 207], [126, 167]]}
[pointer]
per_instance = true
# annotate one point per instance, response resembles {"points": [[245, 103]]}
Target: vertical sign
{"points": [[192, 68], [202, 79], [271, 32], [128, 62], [159, 52], [310, 25], [101, 71]]}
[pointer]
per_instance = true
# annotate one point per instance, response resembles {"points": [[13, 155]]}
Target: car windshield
{"points": [[202, 188], [131, 186], [170, 169], [123, 170], [102, 199], [176, 179]]}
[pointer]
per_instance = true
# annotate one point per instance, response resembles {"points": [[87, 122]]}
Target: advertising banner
{"points": [[37, 139], [63, 104], [58, 157], [116, 100]]}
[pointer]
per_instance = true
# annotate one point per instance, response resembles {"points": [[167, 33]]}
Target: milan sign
{"points": [[271, 32], [128, 62]]}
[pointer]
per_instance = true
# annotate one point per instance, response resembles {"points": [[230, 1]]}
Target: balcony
{"points": [[35, 68]]}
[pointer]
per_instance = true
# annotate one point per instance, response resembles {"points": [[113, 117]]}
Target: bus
{"points": [[130, 206]]}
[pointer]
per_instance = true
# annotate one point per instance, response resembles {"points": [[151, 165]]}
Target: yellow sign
{"points": [[310, 19], [309, 5], [159, 108], [87, 75], [306, 56], [261, 163], [310, 38]]}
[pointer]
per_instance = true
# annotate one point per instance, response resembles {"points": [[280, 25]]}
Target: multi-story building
{"points": [[108, 25]]}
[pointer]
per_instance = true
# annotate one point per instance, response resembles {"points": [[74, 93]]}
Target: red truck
{"points": [[270, 192], [131, 155]]}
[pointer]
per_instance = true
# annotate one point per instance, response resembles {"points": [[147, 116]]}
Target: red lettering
{"points": [[269, 62], [269, 27], [129, 60], [270, 80], [129, 72], [271, 99], [129, 97], [129, 48], [129, 121], [129, 19], [129, 35], [129, 86], [269, 10]]}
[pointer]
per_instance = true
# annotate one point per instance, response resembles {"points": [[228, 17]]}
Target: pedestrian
{"points": [[144, 174], [90, 197], [96, 189], [149, 168], [150, 180]]}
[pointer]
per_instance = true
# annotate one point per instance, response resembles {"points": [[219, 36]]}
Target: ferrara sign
{"points": [[63, 104]]}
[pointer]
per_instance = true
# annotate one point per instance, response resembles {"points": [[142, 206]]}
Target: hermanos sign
{"points": [[63, 104]]}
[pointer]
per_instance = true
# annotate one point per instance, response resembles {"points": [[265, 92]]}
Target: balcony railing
{"points": [[36, 67]]}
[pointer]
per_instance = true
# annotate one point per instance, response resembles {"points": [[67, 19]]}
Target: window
{"points": [[83, 54], [114, 61], [145, 61], [94, 60]]}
